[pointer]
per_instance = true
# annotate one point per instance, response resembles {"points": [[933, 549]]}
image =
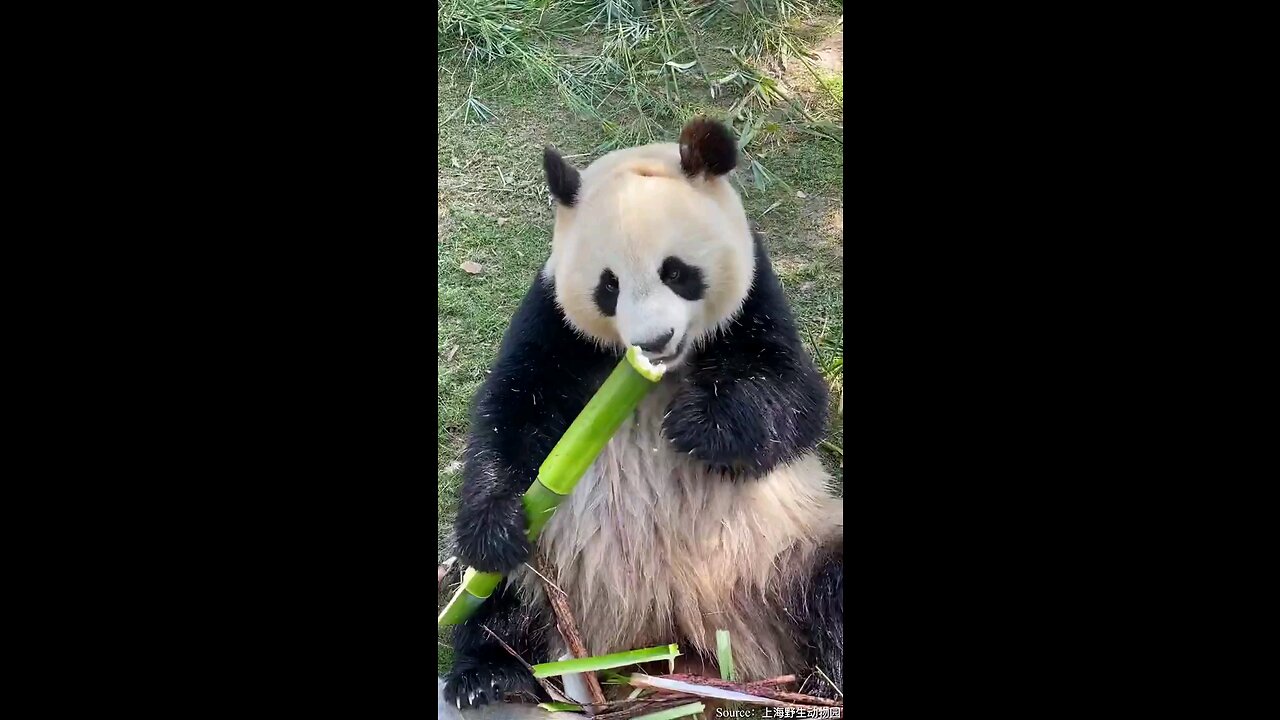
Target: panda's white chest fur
{"points": [[652, 548]]}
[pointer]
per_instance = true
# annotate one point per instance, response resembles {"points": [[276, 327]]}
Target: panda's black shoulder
{"points": [[543, 375], [539, 325], [766, 308], [538, 321]]}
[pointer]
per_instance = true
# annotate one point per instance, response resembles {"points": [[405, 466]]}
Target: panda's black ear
{"points": [[707, 146], [562, 177]]}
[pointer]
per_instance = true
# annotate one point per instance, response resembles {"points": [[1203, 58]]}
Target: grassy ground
{"points": [[591, 75]]}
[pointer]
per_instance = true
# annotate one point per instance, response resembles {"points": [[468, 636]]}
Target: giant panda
{"points": [[708, 509]]}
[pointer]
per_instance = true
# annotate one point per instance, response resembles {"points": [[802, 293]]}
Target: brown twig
{"points": [[800, 698], [638, 707], [829, 680], [569, 630], [780, 680], [551, 689]]}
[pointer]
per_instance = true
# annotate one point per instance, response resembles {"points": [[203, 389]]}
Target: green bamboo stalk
{"points": [[581, 444], [724, 654], [604, 662]]}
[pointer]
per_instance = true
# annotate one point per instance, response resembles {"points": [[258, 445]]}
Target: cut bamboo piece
{"points": [[604, 662], [580, 445]]}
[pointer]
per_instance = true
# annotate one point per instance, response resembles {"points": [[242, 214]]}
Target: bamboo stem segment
{"points": [[581, 444]]}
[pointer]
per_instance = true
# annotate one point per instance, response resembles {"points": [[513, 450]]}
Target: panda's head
{"points": [[651, 245]]}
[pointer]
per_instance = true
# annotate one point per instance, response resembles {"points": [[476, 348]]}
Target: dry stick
{"points": [[619, 705], [757, 689], [569, 629], [551, 689], [544, 578], [800, 698], [829, 680], [611, 709], [701, 690], [637, 708]]}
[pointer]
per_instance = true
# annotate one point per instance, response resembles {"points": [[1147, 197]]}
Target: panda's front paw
{"points": [[473, 684], [491, 534], [721, 427]]}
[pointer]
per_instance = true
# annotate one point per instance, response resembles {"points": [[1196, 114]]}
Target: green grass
{"points": [[591, 75]]}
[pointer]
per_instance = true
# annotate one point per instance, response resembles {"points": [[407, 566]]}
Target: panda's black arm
{"points": [[543, 377], [754, 399], [482, 669]]}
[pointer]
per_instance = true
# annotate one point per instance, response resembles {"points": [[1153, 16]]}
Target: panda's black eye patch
{"points": [[684, 279], [606, 294]]}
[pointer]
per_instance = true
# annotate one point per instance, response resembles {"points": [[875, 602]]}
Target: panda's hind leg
{"points": [[819, 613], [483, 671]]}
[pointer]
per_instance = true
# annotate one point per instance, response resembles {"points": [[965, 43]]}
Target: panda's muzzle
{"points": [[671, 355], [656, 344]]}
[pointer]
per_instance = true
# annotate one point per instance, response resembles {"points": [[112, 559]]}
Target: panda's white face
{"points": [[649, 256]]}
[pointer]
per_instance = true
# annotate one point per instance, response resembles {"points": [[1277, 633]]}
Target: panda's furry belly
{"points": [[651, 548]]}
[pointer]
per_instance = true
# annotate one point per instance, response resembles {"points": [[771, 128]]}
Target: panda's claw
{"points": [[479, 684]]}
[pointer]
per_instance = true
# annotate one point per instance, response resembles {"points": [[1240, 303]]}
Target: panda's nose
{"points": [[657, 343]]}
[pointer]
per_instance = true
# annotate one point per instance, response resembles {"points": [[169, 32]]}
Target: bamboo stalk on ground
{"points": [[611, 709], [605, 662], [725, 690], [763, 689]]}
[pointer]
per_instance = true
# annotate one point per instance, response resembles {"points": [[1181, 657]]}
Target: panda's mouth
{"points": [[669, 357]]}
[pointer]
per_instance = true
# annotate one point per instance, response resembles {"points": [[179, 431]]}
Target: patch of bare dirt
{"points": [[822, 227], [835, 222], [835, 230], [831, 52]]}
